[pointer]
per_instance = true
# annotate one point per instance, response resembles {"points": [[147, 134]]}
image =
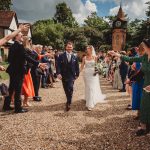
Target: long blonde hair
{"points": [[93, 50], [26, 42]]}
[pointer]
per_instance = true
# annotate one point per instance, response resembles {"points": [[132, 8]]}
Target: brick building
{"points": [[119, 31]]}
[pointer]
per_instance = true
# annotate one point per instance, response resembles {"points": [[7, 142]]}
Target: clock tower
{"points": [[119, 31]]}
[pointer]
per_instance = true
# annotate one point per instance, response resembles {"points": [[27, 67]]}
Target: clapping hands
{"points": [[43, 66]]}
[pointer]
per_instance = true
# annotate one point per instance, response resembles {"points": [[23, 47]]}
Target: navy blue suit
{"points": [[123, 72], [69, 72]]}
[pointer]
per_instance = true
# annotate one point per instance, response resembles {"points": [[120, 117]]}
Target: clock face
{"points": [[118, 24]]}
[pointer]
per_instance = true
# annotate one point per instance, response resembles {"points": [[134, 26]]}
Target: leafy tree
{"points": [[5, 4], [46, 32], [96, 22], [148, 9], [64, 15]]}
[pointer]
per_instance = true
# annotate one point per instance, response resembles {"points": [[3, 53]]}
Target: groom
{"points": [[68, 72]]}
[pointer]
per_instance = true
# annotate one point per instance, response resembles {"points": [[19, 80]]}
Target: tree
{"points": [[46, 32], [148, 9], [5, 4], [64, 16], [96, 22]]}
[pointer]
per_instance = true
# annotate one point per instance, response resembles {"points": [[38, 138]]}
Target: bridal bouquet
{"points": [[97, 69]]}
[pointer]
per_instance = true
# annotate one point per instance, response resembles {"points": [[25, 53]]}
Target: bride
{"points": [[93, 93]]}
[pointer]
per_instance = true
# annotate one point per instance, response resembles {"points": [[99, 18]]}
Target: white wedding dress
{"points": [[93, 93]]}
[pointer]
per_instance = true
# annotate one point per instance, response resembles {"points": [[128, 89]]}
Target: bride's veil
{"points": [[93, 51]]}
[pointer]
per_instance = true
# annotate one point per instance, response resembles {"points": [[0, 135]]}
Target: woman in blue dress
{"points": [[137, 88]]}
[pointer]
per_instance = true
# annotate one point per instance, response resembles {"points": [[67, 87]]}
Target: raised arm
{"points": [[13, 34], [126, 58], [131, 59]]}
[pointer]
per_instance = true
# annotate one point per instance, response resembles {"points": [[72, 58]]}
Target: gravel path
{"points": [[47, 127]]}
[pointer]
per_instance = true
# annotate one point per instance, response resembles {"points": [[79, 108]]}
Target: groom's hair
{"points": [[69, 43]]}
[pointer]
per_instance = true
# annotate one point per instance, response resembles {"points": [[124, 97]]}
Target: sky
{"points": [[33, 10]]}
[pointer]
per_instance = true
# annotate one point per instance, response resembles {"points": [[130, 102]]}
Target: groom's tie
{"points": [[69, 57]]}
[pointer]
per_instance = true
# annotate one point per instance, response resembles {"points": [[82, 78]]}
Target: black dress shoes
{"points": [[123, 90], [21, 111], [37, 98], [141, 132], [68, 107], [8, 109]]}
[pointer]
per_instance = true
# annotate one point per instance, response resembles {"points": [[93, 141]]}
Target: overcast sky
{"points": [[33, 10]]}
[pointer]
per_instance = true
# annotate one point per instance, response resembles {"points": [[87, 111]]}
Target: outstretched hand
{"points": [[23, 28], [147, 89], [112, 53]]}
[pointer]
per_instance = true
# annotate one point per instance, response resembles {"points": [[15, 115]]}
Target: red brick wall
{"points": [[118, 39]]}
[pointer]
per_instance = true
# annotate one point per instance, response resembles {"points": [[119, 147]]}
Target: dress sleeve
{"points": [[131, 59]]}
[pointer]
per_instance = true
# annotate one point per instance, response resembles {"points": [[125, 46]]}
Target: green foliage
{"points": [[136, 32], [96, 30], [64, 16], [148, 9], [48, 33], [96, 22], [5, 4]]}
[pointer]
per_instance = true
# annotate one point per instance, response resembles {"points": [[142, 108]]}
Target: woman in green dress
{"points": [[143, 129]]}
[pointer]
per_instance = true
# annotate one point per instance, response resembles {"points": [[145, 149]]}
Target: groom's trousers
{"points": [[68, 88]]}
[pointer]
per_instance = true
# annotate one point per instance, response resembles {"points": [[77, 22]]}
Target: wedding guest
{"points": [[27, 87], [117, 83], [21, 28], [51, 78], [138, 81], [123, 68], [131, 53], [45, 59], [36, 72], [17, 58], [143, 129]]}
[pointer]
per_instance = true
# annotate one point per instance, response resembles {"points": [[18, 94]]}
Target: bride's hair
{"points": [[93, 49]]}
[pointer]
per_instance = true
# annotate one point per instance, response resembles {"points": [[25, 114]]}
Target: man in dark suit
{"points": [[68, 72], [123, 73], [17, 59], [36, 74]]}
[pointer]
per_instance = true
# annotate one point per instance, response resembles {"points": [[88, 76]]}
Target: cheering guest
{"points": [[17, 58], [123, 68], [27, 87], [13, 34], [36, 72], [145, 103]]}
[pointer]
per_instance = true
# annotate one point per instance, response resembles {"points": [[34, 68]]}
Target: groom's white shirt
{"points": [[68, 56]]}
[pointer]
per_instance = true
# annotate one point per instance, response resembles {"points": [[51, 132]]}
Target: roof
{"points": [[25, 33], [121, 14], [6, 18]]}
